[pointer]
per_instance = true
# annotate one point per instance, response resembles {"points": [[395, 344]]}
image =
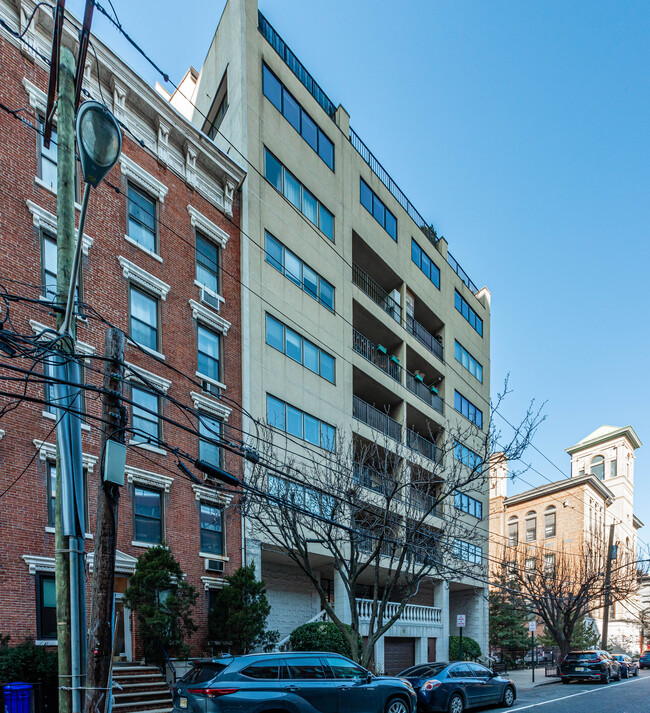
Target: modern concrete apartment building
{"points": [[332, 250]]}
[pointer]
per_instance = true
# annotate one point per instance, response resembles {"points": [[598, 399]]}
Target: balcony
{"points": [[362, 345], [376, 292], [373, 417], [412, 614], [417, 387], [422, 445], [424, 337], [426, 502], [372, 479]]}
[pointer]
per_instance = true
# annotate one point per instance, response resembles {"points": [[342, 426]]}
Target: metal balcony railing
{"points": [[362, 345], [422, 445], [424, 337], [369, 543], [415, 386], [424, 501], [376, 419], [376, 293], [374, 480]]}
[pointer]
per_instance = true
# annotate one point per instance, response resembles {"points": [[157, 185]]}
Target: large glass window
{"points": [[467, 409], [342, 668], [147, 515], [142, 219], [211, 529], [425, 263], [467, 504], [210, 429], [306, 668], [208, 353], [467, 457], [549, 522], [375, 206], [297, 423], [470, 315], [45, 607], [145, 424], [207, 263], [598, 467], [468, 361], [468, 552], [143, 319]]}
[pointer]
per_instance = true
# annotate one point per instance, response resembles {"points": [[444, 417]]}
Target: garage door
{"points": [[399, 653]]}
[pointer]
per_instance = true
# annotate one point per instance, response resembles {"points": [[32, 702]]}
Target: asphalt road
{"points": [[630, 695]]}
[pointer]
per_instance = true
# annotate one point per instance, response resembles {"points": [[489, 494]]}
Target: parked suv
{"points": [[298, 682], [644, 661], [597, 665]]}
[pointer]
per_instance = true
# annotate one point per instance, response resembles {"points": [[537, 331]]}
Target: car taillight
{"points": [[431, 685], [212, 692]]}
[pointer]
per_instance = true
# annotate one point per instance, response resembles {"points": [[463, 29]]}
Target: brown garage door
{"points": [[399, 653]]}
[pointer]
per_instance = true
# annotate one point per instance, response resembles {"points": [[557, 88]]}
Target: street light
{"points": [[99, 140]]}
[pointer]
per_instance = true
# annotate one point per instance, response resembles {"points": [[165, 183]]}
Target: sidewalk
{"points": [[523, 678]]}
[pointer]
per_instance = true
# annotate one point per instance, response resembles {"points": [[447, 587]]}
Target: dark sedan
{"points": [[454, 687], [628, 667], [295, 682]]}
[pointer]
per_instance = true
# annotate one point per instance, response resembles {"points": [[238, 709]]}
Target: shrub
{"points": [[471, 650], [321, 636], [29, 663]]}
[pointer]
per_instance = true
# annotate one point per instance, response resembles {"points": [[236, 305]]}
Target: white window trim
{"points": [[142, 278], [209, 318], [51, 189], [153, 254], [212, 583], [216, 295], [142, 178], [212, 496], [39, 565], [203, 403], [37, 97], [206, 227], [81, 347], [137, 371], [148, 478], [47, 451], [2, 433], [147, 446], [153, 352], [203, 377], [46, 220], [124, 563]]}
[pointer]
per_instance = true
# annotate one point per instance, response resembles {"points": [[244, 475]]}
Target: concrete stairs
{"points": [[143, 688]]}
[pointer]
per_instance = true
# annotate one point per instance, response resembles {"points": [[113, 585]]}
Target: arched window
{"points": [[531, 526], [598, 467], [549, 521], [513, 531]]}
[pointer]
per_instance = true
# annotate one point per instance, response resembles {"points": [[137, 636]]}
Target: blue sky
{"points": [[520, 129]]}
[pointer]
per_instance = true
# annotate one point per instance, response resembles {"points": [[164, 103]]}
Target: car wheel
{"points": [[636, 672], [456, 704], [605, 679], [508, 697], [625, 674], [396, 705], [619, 676]]}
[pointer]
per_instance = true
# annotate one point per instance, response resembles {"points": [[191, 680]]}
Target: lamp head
{"points": [[99, 140]]}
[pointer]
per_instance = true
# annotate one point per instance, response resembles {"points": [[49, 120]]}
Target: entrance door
{"points": [[399, 653], [122, 647]]}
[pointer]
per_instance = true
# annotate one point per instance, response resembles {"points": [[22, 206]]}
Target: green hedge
{"points": [[471, 650], [29, 663], [321, 636]]}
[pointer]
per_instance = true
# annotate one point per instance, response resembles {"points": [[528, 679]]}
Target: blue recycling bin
{"points": [[18, 698]]}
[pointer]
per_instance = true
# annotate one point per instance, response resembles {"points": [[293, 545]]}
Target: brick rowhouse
{"points": [[140, 267]]}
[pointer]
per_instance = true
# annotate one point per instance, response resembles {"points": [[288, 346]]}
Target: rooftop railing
{"points": [[362, 345], [424, 337], [415, 386], [376, 419], [461, 273]]}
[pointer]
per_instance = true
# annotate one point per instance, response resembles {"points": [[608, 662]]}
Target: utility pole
{"points": [[65, 241], [100, 631], [608, 581]]}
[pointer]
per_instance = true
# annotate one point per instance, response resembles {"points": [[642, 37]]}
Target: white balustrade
{"points": [[412, 614]]}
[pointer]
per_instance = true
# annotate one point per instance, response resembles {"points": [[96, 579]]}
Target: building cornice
{"points": [[208, 317], [137, 373], [637, 522], [207, 227], [622, 432], [47, 451], [143, 179], [145, 279], [210, 495], [205, 403], [44, 219], [148, 478], [558, 486]]}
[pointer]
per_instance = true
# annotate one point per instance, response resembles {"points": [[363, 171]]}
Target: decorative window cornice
{"points": [[81, 347], [142, 178], [204, 403], [37, 563], [210, 495], [37, 97], [2, 434], [47, 451], [124, 564], [137, 371], [208, 317], [46, 220], [207, 227], [146, 477], [143, 278], [212, 583]]}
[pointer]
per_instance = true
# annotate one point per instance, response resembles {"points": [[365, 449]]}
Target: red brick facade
{"points": [[23, 509]]}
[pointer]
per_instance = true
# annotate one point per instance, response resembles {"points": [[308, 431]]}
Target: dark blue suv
{"points": [[296, 682]]}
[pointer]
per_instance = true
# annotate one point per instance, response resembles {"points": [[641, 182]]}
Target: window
{"points": [[208, 353], [45, 607], [143, 319], [465, 503], [513, 532], [470, 315], [373, 204], [531, 526], [265, 669], [299, 349], [47, 159], [598, 467], [145, 421], [50, 476], [344, 669], [468, 361], [460, 671], [425, 263], [284, 102], [468, 552], [147, 515], [294, 269], [210, 429], [285, 182], [549, 564], [549, 522], [219, 109], [48, 265], [467, 409], [142, 219], [295, 422], [207, 263], [612, 469], [305, 667], [530, 565], [211, 530], [467, 457]]}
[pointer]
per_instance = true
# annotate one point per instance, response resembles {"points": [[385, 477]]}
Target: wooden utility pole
{"points": [[608, 582], [100, 630], [65, 242]]}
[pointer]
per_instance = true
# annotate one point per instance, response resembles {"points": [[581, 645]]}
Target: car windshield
{"points": [[423, 671], [581, 656], [204, 671]]}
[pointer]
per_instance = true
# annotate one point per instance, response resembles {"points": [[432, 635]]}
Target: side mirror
{"points": [[369, 677]]}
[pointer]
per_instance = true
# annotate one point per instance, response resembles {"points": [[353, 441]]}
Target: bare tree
{"points": [[380, 511]]}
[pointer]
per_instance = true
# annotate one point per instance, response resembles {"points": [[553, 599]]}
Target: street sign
{"points": [[460, 620], [532, 626]]}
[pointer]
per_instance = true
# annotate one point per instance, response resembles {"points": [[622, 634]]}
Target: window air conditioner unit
{"points": [[214, 565], [210, 388], [209, 299]]}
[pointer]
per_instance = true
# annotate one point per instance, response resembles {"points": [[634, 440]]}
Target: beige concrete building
{"points": [[567, 514], [334, 254]]}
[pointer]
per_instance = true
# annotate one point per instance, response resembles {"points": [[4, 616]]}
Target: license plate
{"points": [[578, 668], [182, 702]]}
